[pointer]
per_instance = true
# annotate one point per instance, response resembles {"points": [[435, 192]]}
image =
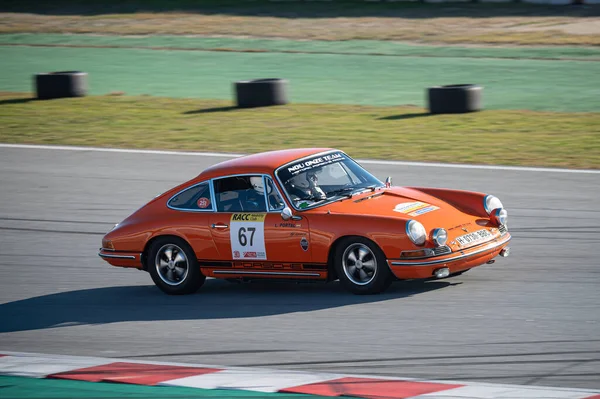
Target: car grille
{"points": [[502, 228], [441, 250]]}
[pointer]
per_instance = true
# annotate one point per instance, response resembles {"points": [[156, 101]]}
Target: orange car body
{"points": [[302, 247]]}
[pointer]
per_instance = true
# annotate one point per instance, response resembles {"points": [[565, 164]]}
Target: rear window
{"points": [[195, 198]]}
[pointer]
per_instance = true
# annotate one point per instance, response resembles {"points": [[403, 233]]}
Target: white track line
{"points": [[119, 150], [363, 161]]}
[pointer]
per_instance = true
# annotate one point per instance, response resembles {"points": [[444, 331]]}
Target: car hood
{"points": [[407, 203], [396, 202]]}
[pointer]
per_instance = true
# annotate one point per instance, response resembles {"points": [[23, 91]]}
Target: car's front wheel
{"points": [[361, 266], [174, 267]]}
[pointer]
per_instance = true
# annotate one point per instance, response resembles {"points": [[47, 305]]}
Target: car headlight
{"points": [[490, 203], [439, 236], [499, 216], [416, 232]]}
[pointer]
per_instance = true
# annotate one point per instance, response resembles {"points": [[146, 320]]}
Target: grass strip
{"points": [[353, 47], [565, 86], [406, 133], [510, 24]]}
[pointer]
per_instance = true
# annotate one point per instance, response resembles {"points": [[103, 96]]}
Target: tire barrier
{"points": [[455, 99], [61, 84], [261, 92]]}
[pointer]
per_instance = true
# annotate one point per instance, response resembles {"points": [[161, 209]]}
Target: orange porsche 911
{"points": [[306, 214]]}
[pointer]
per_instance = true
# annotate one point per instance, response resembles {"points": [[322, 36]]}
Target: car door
{"points": [[286, 241], [248, 229]]}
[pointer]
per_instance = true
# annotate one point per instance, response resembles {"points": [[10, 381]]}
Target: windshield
{"points": [[312, 182]]}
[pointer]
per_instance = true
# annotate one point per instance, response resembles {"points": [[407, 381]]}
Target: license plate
{"points": [[471, 238]]}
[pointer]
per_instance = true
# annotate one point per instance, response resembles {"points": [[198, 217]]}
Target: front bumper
{"points": [[456, 261], [121, 259]]}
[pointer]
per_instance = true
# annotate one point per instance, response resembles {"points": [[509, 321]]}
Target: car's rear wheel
{"points": [[361, 266], [174, 267]]}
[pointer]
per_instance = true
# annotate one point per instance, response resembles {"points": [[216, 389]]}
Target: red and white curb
{"points": [[96, 369]]}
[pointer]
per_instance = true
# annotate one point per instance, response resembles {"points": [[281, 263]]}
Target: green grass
{"points": [[406, 133], [544, 85], [508, 24], [348, 47]]}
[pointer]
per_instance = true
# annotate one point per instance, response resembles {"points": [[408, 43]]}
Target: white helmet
{"points": [[258, 184]]}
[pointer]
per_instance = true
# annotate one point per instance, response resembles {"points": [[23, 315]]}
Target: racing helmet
{"points": [[298, 181], [258, 184]]}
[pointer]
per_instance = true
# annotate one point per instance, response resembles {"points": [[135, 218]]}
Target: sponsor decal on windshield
{"points": [[315, 162], [415, 208]]}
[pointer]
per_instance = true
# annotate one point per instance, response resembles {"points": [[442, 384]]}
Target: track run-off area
{"points": [[531, 78], [529, 319]]}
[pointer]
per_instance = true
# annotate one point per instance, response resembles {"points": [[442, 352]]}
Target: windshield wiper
{"points": [[311, 198], [345, 192], [352, 190]]}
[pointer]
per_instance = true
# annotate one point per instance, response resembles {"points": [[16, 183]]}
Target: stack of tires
{"points": [[60, 84], [455, 99], [261, 92]]}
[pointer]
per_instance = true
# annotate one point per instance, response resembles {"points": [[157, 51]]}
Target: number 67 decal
{"points": [[242, 236], [247, 236]]}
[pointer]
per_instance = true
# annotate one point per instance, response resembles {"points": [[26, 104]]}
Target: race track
{"points": [[533, 318]]}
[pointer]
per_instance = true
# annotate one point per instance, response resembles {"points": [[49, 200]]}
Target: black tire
{"points": [[455, 99], [60, 84], [382, 276], [190, 282], [261, 93]]}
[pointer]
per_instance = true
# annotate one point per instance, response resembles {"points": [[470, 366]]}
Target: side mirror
{"points": [[286, 213], [388, 181]]}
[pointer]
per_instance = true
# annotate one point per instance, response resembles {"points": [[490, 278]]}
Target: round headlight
{"points": [[499, 216], [439, 236], [416, 232], [490, 203]]}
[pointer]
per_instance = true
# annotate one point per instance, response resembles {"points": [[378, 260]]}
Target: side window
{"points": [[195, 198], [240, 194], [275, 201]]}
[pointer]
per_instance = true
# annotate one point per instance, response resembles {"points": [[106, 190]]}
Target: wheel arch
{"points": [[331, 272], [152, 240]]}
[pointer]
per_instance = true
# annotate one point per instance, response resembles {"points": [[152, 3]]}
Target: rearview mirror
{"points": [[388, 181]]}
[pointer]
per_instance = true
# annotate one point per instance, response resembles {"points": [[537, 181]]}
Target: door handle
{"points": [[219, 226]]}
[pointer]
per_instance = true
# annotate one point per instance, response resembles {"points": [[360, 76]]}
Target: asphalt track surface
{"points": [[533, 318]]}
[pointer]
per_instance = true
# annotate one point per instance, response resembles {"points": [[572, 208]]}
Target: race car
{"points": [[307, 215]]}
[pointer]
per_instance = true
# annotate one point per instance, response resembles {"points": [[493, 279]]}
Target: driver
{"points": [[255, 198], [313, 183], [305, 189]]}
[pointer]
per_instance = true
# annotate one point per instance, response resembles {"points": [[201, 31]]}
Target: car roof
{"points": [[264, 162]]}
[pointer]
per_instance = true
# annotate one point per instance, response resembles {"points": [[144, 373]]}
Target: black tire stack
{"points": [[61, 84], [455, 99], [261, 92]]}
